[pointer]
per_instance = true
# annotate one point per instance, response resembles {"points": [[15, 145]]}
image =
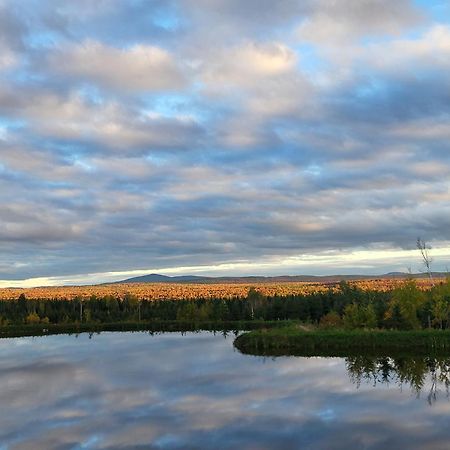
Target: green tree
{"points": [[409, 298], [360, 316], [439, 310], [440, 300], [205, 311], [370, 317], [187, 312]]}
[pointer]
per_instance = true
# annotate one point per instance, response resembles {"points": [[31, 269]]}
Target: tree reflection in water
{"points": [[404, 370]]}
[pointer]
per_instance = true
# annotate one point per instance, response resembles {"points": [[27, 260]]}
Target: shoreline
{"points": [[292, 341], [13, 331]]}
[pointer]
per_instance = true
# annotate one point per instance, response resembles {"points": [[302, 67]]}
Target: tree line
{"points": [[406, 307]]}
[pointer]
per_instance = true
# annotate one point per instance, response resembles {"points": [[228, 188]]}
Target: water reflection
{"points": [[411, 371], [135, 391]]}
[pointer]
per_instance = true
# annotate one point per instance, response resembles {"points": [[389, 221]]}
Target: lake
{"points": [[195, 391]]}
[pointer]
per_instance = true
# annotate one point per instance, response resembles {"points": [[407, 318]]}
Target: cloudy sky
{"points": [[222, 137]]}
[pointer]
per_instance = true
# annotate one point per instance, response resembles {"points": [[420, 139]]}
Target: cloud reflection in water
{"points": [[134, 391]]}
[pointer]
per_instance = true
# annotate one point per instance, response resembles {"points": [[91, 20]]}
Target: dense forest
{"points": [[406, 307]]}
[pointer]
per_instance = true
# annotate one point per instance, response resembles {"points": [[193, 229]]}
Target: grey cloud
{"points": [[324, 21], [133, 22], [391, 100], [12, 29], [249, 16], [24, 222], [332, 21], [72, 118]]}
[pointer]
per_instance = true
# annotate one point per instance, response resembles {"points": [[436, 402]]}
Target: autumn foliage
{"points": [[186, 291]]}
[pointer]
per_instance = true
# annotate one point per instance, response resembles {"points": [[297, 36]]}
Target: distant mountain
{"points": [[157, 278], [403, 274]]}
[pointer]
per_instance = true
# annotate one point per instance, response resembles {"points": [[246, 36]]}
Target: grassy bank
{"points": [[292, 340], [151, 326]]}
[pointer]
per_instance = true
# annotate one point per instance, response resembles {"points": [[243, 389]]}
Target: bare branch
{"points": [[426, 258]]}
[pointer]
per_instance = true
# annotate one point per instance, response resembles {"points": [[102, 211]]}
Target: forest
{"points": [[407, 307]]}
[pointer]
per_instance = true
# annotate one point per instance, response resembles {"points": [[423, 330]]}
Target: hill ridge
{"points": [[158, 278]]}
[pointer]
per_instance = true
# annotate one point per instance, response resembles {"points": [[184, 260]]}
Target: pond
{"points": [[195, 391]]}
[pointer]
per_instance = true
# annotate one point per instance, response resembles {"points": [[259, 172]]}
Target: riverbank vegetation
{"points": [[364, 321], [298, 341]]}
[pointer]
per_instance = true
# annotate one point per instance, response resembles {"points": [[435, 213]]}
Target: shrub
{"points": [[330, 320]]}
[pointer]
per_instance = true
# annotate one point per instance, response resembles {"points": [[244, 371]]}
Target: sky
{"points": [[222, 137]]}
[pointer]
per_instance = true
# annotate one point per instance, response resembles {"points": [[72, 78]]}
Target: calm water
{"points": [[136, 391]]}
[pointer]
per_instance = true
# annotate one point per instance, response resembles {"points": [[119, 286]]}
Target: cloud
{"points": [[242, 65], [330, 22], [428, 52], [140, 68], [108, 124], [424, 129], [217, 133], [12, 31], [23, 222], [250, 17]]}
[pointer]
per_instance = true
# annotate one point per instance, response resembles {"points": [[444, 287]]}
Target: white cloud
{"points": [[264, 81], [430, 50], [137, 68], [246, 65]]}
